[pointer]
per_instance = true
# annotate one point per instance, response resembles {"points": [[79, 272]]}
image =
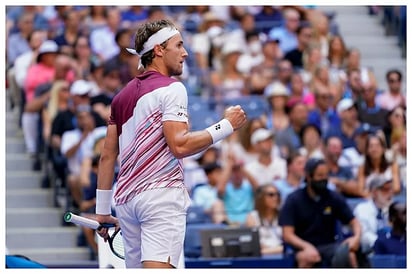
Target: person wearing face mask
{"points": [[253, 55], [373, 213], [309, 219]]}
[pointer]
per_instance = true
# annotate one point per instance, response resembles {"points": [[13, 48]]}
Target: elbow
{"points": [[179, 152]]}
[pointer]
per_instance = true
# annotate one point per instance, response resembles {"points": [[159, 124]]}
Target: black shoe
{"points": [[36, 165]]}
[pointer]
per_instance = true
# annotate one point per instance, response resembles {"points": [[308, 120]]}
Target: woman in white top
{"points": [[265, 217]]}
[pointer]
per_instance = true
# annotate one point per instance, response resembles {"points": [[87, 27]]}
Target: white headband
{"points": [[156, 39]]}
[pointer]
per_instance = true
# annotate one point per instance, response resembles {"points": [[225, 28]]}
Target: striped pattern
{"points": [[145, 159]]}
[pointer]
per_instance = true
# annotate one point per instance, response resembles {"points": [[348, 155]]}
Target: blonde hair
{"points": [[53, 105]]}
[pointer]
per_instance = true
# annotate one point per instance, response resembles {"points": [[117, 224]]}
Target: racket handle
{"points": [[83, 221]]}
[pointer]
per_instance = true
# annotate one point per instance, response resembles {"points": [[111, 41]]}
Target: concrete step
{"points": [[77, 256], [33, 218], [15, 145], [41, 237], [29, 198], [18, 161], [23, 179]]}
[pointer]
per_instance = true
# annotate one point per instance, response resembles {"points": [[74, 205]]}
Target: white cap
{"points": [[80, 87], [48, 46], [344, 104], [231, 47], [276, 89], [260, 134]]}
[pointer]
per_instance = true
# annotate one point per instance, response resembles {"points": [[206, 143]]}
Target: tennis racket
{"points": [[115, 240]]}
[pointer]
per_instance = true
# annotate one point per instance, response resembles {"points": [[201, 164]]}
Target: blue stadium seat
{"points": [[197, 215], [388, 261], [253, 105]]}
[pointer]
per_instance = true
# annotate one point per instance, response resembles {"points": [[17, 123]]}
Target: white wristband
{"points": [[104, 202], [220, 130]]}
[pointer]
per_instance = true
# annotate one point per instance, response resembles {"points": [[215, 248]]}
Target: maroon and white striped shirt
{"points": [[138, 112]]}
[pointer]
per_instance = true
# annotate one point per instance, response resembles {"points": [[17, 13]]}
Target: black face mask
{"points": [[320, 187]]}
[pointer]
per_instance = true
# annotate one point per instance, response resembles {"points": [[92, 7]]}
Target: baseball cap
{"points": [[365, 128], [378, 181], [344, 104], [80, 87], [48, 46], [261, 134], [276, 89]]}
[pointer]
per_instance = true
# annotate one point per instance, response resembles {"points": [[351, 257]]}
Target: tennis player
{"points": [[148, 134]]}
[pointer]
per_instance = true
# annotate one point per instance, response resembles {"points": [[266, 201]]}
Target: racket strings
{"points": [[117, 244]]}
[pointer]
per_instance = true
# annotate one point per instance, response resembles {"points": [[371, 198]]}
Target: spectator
{"points": [[125, 62], [133, 15], [84, 57], [294, 178], [227, 82], [206, 195], [295, 55], [354, 157], [312, 62], [269, 14], [300, 91], [40, 73], [74, 146], [266, 168], [311, 139], [102, 40], [265, 218], [193, 167], [252, 56], [353, 86], [396, 124], [18, 73], [376, 163], [71, 32], [239, 143], [97, 18], [284, 71], [373, 213], [341, 176], [321, 33], [237, 193], [277, 95], [323, 115], [17, 43], [309, 217], [394, 96], [286, 33], [393, 241], [265, 72], [288, 139], [345, 130], [111, 84], [369, 111], [337, 58]]}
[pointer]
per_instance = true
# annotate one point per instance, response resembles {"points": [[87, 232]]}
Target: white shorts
{"points": [[153, 226]]}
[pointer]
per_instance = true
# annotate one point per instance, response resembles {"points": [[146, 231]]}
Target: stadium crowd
{"points": [[306, 93]]}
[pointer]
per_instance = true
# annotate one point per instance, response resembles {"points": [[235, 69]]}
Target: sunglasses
{"points": [[272, 194]]}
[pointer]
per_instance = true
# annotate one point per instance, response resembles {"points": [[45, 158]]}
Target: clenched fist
{"points": [[236, 116]]}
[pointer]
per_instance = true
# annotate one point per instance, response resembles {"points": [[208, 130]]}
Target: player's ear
{"points": [[158, 50]]}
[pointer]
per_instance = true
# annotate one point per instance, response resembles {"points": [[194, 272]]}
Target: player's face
{"points": [[175, 55]]}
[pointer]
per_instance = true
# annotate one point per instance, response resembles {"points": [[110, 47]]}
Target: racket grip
{"points": [[82, 221]]}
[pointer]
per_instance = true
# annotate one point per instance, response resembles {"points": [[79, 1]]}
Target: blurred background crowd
{"points": [[307, 95]]}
